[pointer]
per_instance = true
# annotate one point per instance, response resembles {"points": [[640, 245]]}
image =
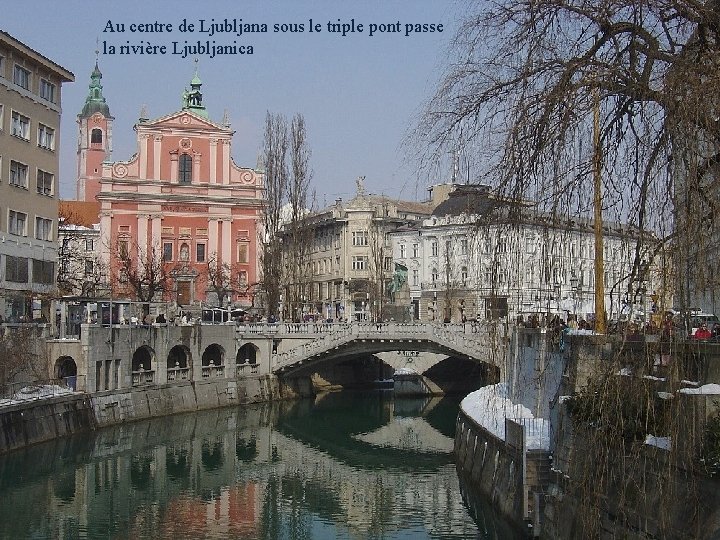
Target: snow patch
{"points": [[625, 372], [661, 442], [708, 389], [490, 406], [31, 393]]}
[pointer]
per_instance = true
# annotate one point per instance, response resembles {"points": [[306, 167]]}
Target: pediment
{"points": [[183, 120]]}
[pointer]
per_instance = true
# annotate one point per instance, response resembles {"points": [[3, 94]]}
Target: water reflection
{"points": [[343, 466]]}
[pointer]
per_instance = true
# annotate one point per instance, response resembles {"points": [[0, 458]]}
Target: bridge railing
{"points": [[469, 338]]}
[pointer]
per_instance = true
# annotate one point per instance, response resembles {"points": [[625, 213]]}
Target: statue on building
{"points": [[360, 183], [399, 279]]}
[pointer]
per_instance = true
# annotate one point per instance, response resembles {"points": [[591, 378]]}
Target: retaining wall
{"points": [[38, 421], [510, 476]]}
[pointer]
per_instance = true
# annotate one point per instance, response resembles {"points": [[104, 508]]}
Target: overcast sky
{"points": [[359, 94]]}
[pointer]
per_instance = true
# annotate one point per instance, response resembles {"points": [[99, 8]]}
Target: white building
{"points": [[478, 256]]}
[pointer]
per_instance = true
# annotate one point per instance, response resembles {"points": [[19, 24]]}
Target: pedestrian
{"points": [[702, 333]]}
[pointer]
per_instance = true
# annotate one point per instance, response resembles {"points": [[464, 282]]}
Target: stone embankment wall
{"points": [[511, 476], [38, 421]]}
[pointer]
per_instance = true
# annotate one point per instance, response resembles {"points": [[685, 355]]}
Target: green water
{"points": [[345, 465]]}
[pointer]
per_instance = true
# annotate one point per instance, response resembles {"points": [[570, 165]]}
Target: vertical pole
{"points": [[600, 322]]}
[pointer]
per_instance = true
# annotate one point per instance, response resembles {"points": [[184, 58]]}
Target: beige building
{"points": [[30, 86], [349, 263]]}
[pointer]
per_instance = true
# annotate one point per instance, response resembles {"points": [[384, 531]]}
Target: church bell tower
{"points": [[94, 139]]}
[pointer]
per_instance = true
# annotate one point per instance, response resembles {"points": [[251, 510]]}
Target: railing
{"points": [[469, 338], [241, 370], [178, 374], [143, 376], [213, 372]]}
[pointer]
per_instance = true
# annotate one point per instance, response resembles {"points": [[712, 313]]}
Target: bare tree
{"points": [[274, 152], [140, 272], [525, 82], [21, 355], [551, 96], [297, 236], [379, 270], [219, 277], [79, 272]]}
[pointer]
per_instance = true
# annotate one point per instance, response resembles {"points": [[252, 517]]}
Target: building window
{"points": [[359, 262], [47, 90], [21, 77], [167, 251], [243, 256], [43, 271], [16, 269], [46, 137], [388, 263], [45, 182], [502, 245], [96, 136], [200, 253], [402, 251], [416, 250], [360, 238], [89, 244], [17, 222], [89, 267], [464, 246], [464, 274], [185, 171], [243, 278], [434, 248], [18, 174], [20, 126], [434, 276], [43, 228], [416, 278]]}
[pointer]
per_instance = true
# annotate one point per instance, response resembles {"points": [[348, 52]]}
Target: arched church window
{"points": [[96, 136], [185, 170]]}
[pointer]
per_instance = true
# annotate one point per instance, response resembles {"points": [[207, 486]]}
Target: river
{"points": [[344, 465]]}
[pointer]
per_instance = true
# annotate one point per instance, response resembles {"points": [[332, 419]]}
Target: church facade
{"points": [[179, 211]]}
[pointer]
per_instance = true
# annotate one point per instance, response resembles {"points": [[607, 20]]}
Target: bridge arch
{"points": [[66, 370], [143, 358], [179, 357], [247, 354], [214, 354], [179, 361]]}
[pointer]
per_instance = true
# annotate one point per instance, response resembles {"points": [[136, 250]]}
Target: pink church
{"points": [[181, 197]]}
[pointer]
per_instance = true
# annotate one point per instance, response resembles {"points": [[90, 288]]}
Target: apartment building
{"points": [[482, 256], [30, 111]]}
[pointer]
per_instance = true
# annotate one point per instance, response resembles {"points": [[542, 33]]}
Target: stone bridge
{"points": [[121, 356], [471, 341]]}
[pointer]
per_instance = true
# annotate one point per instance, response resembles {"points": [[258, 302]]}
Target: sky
{"points": [[360, 94]]}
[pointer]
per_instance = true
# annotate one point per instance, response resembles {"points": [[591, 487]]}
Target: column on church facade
{"points": [[144, 138], [213, 226], [156, 156], [156, 230], [227, 241], [226, 162], [142, 235], [174, 166], [213, 161]]}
